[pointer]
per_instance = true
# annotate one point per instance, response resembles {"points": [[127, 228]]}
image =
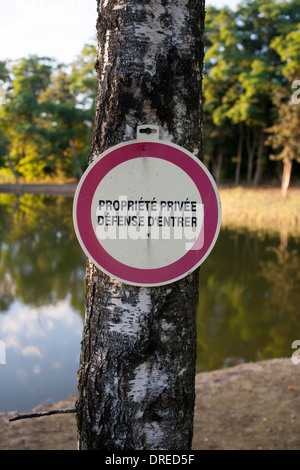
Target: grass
{"points": [[261, 209]]}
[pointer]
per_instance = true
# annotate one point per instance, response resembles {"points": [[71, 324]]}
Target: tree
{"points": [[47, 111], [244, 49], [285, 132], [64, 124], [67, 112], [261, 23], [83, 78], [285, 137], [136, 387], [24, 142], [219, 77], [221, 82]]}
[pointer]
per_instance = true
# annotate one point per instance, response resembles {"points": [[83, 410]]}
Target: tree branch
{"points": [[43, 413]]}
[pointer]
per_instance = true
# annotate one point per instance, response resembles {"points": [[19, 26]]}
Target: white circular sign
{"points": [[147, 213]]}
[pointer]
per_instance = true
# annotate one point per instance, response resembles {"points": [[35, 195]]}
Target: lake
{"points": [[248, 300]]}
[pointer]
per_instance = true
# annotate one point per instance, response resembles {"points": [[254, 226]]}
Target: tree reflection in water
{"points": [[40, 260], [41, 300], [249, 298]]}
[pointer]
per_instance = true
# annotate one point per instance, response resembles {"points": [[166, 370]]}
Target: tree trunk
{"points": [[250, 151], [258, 170], [76, 157], [137, 366], [13, 170], [286, 177], [218, 164], [239, 154]]}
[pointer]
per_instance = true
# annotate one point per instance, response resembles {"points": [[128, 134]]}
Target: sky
{"points": [[52, 28]]}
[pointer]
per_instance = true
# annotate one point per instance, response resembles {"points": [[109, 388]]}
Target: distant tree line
{"points": [[251, 105], [46, 116], [251, 102]]}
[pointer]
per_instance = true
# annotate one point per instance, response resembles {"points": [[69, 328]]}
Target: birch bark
{"points": [[137, 365]]}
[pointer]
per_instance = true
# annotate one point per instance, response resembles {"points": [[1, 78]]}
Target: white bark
{"points": [[286, 177], [137, 368]]}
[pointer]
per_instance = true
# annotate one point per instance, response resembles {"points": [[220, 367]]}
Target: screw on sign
{"points": [[147, 211]]}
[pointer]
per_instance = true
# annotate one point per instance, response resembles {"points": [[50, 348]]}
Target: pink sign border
{"points": [[136, 149]]}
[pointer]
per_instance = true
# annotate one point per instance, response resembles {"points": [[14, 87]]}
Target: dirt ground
{"points": [[249, 407], [246, 407]]}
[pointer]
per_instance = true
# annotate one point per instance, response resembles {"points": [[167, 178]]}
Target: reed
{"points": [[261, 209]]}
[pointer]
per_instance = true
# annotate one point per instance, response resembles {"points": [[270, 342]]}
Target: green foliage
{"points": [[252, 57], [285, 133], [252, 61], [47, 112]]}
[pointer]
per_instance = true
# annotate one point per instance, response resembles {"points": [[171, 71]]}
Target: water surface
{"points": [[248, 300], [41, 301]]}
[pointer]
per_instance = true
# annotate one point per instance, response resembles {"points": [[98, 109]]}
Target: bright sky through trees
{"points": [[251, 73], [55, 28]]}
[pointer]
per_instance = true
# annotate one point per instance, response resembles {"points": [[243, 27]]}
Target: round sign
{"points": [[147, 212]]}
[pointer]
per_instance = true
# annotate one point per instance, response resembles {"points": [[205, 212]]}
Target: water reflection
{"points": [[249, 300], [41, 300], [42, 354], [40, 260]]}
